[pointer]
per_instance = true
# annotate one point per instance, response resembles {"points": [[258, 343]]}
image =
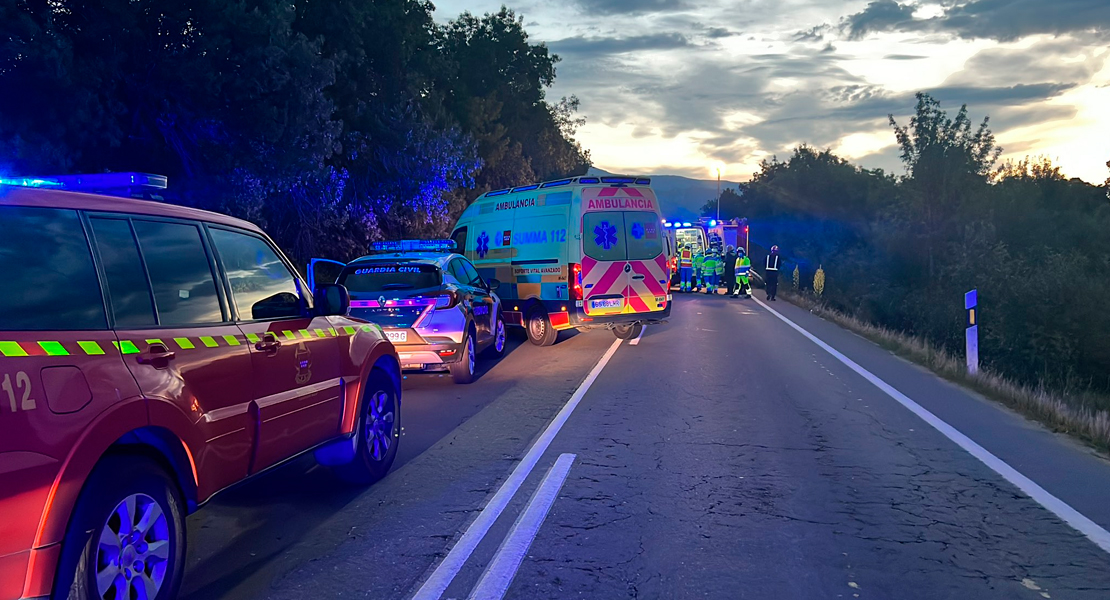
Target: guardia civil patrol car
{"points": [[432, 303], [581, 252]]}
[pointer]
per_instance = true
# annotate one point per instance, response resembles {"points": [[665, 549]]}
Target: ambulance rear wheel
{"points": [[539, 329], [628, 332]]}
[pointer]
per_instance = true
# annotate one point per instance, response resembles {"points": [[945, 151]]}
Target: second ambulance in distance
{"points": [[581, 252]]}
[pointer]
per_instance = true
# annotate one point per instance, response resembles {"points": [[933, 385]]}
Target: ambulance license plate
{"points": [[397, 336], [607, 303]]}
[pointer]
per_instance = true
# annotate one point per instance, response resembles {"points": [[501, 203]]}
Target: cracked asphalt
{"points": [[725, 456]]}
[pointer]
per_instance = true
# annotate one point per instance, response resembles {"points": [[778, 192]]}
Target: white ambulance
{"points": [[583, 252]]}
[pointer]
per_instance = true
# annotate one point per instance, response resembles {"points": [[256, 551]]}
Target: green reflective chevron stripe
{"points": [[54, 348], [332, 331], [12, 349], [350, 330], [252, 338], [208, 341], [321, 333], [368, 328], [155, 341], [231, 340], [184, 343], [306, 334], [289, 335], [91, 348], [126, 347]]}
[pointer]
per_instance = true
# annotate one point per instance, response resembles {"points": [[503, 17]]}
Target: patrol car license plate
{"points": [[606, 303], [397, 336]]}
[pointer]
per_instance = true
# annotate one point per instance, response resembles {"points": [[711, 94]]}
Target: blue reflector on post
{"points": [[414, 246], [971, 299]]}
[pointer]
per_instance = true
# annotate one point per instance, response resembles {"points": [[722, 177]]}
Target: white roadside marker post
{"points": [[971, 336]]}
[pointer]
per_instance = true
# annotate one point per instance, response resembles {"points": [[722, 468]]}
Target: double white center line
{"points": [[445, 573]]}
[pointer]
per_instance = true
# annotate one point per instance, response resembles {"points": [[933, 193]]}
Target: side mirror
{"points": [[494, 284], [332, 299]]}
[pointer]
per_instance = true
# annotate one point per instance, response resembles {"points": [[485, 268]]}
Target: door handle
{"points": [[157, 355], [637, 277], [268, 344]]}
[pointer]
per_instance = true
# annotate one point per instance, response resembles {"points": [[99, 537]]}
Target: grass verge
{"points": [[1068, 413]]}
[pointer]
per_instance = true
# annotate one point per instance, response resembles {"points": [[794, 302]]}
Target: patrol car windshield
{"points": [[389, 277]]}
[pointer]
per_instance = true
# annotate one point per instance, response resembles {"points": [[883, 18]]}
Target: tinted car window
{"points": [[603, 235], [642, 235], [456, 269], [184, 288], [49, 279], [384, 277], [262, 286], [472, 274], [123, 271]]}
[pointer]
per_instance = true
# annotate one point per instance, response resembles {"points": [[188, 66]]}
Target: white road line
{"points": [[437, 583], [636, 342], [1056, 506], [501, 570]]}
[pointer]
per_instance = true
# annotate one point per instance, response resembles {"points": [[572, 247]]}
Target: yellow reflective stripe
{"points": [[231, 340], [54, 348], [208, 341], [126, 347], [289, 335], [306, 334], [12, 349], [252, 338], [321, 333], [350, 330], [332, 331], [184, 343], [91, 348]]}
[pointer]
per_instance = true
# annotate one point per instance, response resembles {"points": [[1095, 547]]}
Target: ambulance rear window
{"points": [[378, 277]]}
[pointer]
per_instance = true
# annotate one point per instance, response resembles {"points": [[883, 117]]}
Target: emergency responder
{"points": [[729, 263], [699, 262], [685, 267], [771, 273], [719, 275], [743, 267], [709, 266]]}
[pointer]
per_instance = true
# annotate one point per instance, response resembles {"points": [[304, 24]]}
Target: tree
{"points": [[945, 160]]}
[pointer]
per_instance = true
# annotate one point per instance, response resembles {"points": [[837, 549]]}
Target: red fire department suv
{"points": [[150, 356]]}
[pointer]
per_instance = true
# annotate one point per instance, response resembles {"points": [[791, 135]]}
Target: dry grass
{"points": [[1069, 413]]}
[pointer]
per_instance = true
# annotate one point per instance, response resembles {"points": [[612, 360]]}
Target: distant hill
{"points": [[680, 197]]}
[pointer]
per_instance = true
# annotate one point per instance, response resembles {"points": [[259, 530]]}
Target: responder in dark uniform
{"points": [[771, 273], [730, 267]]}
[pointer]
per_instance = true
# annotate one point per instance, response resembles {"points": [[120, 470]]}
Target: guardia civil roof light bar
{"points": [[413, 246], [615, 180], [128, 184]]}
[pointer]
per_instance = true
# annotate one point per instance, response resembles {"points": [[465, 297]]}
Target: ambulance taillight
{"points": [[575, 281]]}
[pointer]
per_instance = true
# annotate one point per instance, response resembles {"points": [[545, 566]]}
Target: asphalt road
{"points": [[723, 456]]}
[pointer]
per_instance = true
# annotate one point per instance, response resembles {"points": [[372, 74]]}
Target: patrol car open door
{"points": [[312, 271]]}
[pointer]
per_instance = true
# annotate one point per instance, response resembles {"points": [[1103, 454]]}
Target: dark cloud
{"points": [[880, 15], [631, 7], [718, 32], [813, 34], [1003, 20], [597, 46]]}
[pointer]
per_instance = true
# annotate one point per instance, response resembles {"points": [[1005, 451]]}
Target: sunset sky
{"points": [[676, 86]]}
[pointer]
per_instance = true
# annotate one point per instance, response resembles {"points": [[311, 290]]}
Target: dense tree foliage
{"points": [[901, 251], [331, 124]]}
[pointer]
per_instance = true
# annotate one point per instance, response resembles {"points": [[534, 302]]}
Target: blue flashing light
{"points": [[95, 183], [666, 223], [525, 188], [643, 181], [713, 223], [618, 180], [498, 193], [588, 180], [687, 225], [414, 246], [556, 183]]}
